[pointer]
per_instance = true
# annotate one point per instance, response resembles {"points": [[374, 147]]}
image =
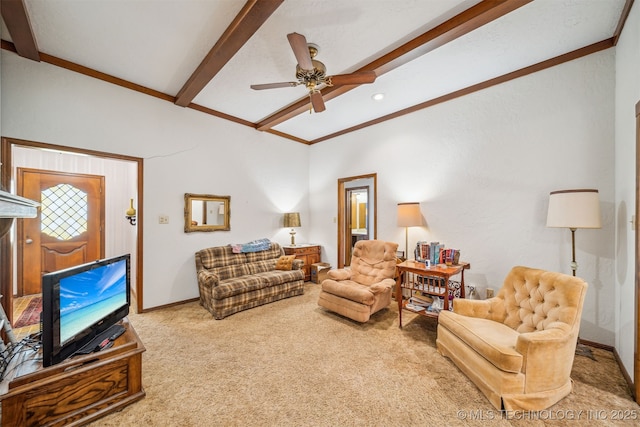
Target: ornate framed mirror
{"points": [[206, 212]]}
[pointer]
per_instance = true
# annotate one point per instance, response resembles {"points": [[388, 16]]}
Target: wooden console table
{"points": [[77, 391], [415, 276], [309, 254]]}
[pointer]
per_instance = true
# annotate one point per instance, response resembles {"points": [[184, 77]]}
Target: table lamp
{"points": [[292, 220], [409, 215]]}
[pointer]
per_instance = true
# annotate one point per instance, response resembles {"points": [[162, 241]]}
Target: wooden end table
{"points": [[414, 275]]}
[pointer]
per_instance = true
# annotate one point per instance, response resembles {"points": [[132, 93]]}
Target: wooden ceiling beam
{"points": [[461, 24], [246, 23], [14, 13]]}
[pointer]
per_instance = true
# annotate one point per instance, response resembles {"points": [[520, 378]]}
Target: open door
{"points": [[357, 208]]}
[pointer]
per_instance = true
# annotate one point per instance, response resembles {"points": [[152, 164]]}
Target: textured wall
{"points": [[482, 167], [184, 151], [627, 95]]}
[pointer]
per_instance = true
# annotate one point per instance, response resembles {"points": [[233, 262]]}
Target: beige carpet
{"points": [[291, 363]]}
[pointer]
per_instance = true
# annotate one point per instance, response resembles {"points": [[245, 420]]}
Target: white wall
{"points": [[184, 151], [627, 95], [482, 167]]}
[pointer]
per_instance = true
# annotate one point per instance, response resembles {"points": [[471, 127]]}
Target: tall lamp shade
{"points": [[292, 219], [574, 209], [409, 215]]}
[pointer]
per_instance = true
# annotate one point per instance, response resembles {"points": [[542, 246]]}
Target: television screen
{"points": [[81, 302]]}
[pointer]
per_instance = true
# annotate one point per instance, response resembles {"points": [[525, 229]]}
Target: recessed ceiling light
{"points": [[377, 96]]}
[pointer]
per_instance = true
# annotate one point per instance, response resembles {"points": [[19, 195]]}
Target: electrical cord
{"points": [[29, 343]]}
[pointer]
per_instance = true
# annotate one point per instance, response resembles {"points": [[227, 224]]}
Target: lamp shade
{"points": [[292, 219], [574, 209], [409, 215]]}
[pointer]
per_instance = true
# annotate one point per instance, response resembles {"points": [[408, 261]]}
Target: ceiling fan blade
{"points": [[274, 85], [317, 101], [363, 77], [298, 43]]}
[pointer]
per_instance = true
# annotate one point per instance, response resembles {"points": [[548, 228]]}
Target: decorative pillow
{"points": [[285, 262]]}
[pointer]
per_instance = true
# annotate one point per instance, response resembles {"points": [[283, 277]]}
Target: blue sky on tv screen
{"points": [[87, 288]]}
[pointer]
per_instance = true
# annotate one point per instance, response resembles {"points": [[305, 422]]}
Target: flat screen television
{"points": [[81, 302]]}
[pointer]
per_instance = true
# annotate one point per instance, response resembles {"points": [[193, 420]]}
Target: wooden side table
{"points": [[415, 276], [308, 253]]}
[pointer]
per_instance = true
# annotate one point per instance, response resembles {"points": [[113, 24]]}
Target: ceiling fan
{"points": [[312, 73]]}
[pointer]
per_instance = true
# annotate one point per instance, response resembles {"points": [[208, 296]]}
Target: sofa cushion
{"points": [[350, 290], [273, 252], [278, 277], [239, 285], [261, 266], [231, 271], [494, 341], [220, 256]]}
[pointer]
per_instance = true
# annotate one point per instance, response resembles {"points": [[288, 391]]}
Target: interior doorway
{"points": [[123, 234], [357, 212], [69, 229]]}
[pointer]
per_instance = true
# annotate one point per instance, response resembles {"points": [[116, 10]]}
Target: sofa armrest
{"points": [[297, 264], [339, 274], [208, 278]]}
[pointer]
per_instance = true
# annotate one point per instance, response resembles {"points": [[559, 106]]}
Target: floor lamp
{"points": [[409, 215], [574, 209]]}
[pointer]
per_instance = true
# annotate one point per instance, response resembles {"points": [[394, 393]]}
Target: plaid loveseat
{"points": [[230, 282]]}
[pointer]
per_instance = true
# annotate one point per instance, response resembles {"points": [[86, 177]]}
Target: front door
{"points": [[69, 228]]}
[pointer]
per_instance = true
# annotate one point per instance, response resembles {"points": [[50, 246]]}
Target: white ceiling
{"points": [[160, 43]]}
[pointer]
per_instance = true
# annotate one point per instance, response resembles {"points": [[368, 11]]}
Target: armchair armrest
{"points": [[385, 284], [339, 274], [536, 347], [492, 308]]}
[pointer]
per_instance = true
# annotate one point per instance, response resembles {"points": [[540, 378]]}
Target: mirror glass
{"points": [[206, 212]]}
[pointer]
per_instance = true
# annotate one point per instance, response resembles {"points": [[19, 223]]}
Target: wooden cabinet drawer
{"points": [[308, 254]]}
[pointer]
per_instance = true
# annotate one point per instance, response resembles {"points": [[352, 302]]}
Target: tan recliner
{"points": [[518, 347], [365, 287]]}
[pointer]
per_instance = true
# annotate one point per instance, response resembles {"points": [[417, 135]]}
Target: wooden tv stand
{"points": [[78, 390]]}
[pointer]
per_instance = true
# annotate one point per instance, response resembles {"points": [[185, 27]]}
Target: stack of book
{"points": [[419, 302], [449, 256], [436, 253], [422, 252]]}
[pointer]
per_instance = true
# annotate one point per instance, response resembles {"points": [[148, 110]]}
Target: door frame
{"points": [[636, 357], [342, 222], [6, 243]]}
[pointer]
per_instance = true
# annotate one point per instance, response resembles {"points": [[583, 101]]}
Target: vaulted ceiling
{"points": [[205, 54]]}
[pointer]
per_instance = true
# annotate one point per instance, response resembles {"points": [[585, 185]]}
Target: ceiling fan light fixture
{"points": [[377, 96], [312, 73]]}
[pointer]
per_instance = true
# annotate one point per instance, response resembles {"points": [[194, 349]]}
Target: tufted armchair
{"points": [[517, 347], [365, 287]]}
